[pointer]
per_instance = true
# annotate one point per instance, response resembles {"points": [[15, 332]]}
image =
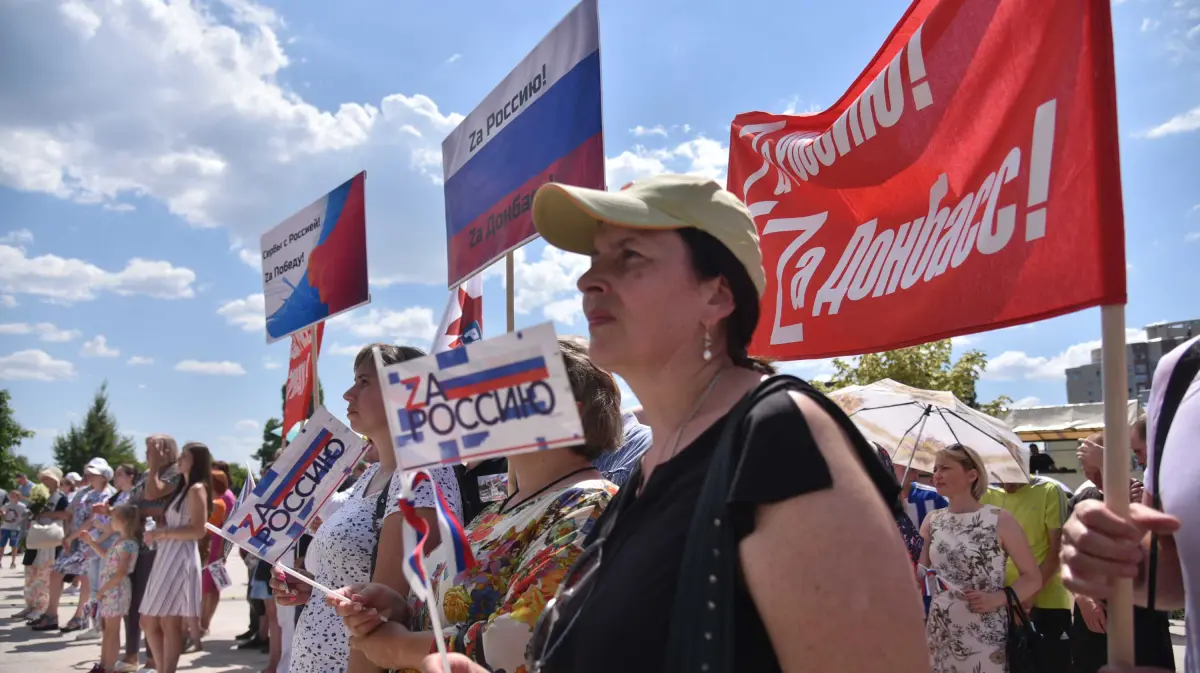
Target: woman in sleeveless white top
{"points": [[967, 545], [173, 589]]}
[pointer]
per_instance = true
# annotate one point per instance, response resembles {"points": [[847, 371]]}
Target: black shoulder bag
{"points": [[1181, 379], [701, 637], [377, 524], [1023, 638]]}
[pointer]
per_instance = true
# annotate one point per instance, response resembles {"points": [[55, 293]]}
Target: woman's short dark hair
{"points": [[389, 353], [599, 399], [711, 259]]}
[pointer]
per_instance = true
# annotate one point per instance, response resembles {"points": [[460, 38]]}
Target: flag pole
{"points": [[509, 290], [313, 353], [1116, 471]]}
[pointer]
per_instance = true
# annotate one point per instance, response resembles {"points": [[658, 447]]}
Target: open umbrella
{"points": [[902, 418]]}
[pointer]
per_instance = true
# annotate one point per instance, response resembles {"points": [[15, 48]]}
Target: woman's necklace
{"points": [[531, 496], [674, 445]]}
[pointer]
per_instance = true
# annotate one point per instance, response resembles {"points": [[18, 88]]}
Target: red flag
{"points": [[297, 404], [967, 180]]}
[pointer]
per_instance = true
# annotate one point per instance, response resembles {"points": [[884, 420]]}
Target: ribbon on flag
{"points": [[462, 322]]}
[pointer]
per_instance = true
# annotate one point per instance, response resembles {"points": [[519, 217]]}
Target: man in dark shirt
{"points": [[1040, 462]]}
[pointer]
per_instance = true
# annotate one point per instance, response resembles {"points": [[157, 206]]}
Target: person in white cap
{"points": [[77, 556], [99, 475]]}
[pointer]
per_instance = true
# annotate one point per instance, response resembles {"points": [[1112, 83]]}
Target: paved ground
{"points": [[22, 649]]}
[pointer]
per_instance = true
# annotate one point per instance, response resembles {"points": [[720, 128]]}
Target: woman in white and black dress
{"points": [[173, 589], [340, 552]]}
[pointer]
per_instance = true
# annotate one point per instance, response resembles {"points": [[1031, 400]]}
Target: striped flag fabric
{"points": [[246, 489], [416, 531], [453, 535], [462, 322]]}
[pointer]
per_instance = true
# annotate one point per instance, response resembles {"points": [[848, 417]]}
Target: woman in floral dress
{"points": [[523, 547], [966, 545]]}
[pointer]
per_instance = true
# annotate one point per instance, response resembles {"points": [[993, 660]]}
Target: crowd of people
{"points": [[737, 521]]}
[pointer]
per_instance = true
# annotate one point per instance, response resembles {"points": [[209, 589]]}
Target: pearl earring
{"points": [[707, 345]]}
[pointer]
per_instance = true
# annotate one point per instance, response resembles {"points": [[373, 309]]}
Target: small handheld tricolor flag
{"points": [[453, 535], [415, 532], [246, 489]]}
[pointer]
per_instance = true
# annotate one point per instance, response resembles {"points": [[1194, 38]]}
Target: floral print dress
{"points": [[76, 557], [115, 602], [489, 611], [965, 552]]}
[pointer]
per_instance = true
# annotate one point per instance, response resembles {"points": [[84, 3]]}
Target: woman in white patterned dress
{"points": [[173, 589], [341, 549], [967, 545]]}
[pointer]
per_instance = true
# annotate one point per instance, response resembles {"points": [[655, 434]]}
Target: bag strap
{"points": [[1177, 386], [377, 523], [1014, 605], [701, 628]]}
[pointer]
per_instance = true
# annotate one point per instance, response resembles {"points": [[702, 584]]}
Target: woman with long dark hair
{"points": [[173, 590]]}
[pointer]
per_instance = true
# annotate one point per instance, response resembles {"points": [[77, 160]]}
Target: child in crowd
{"points": [[12, 522], [116, 590]]}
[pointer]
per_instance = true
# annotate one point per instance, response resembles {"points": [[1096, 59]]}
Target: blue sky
{"points": [[144, 146]]}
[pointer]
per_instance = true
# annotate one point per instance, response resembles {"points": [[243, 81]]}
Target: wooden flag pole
{"points": [[1116, 471], [316, 385], [509, 290]]}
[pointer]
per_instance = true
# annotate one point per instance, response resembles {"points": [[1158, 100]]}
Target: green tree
{"points": [[237, 477], [96, 437], [927, 366], [12, 434], [271, 443]]}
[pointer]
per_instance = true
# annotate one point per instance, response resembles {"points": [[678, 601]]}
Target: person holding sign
{"points": [[800, 522], [344, 548], [523, 547]]}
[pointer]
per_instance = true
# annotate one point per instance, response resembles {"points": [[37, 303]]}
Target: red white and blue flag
{"points": [[541, 124], [453, 535], [462, 322]]}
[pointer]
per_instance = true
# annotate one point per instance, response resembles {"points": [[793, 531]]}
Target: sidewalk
{"points": [[22, 649]]}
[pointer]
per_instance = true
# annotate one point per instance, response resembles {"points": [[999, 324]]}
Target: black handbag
{"points": [[1023, 638]]}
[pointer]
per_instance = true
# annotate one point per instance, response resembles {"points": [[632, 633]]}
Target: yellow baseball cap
{"points": [[568, 217]]}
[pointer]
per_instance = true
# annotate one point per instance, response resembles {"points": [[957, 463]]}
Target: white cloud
{"points": [[34, 365], [414, 323], [139, 360], [1013, 365], [1030, 401], [80, 18], [250, 258], [698, 156], [268, 363], [965, 340], [1149, 24], [641, 131], [71, 280], [811, 370], [344, 351], [17, 237], [195, 115], [249, 313], [44, 330], [247, 425], [1192, 236], [1181, 123], [222, 368], [453, 58], [793, 107], [548, 283], [8, 301], [97, 347]]}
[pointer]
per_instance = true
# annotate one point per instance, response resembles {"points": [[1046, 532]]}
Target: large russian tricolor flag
{"points": [[542, 123]]}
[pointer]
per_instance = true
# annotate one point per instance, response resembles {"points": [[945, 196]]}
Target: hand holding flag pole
{"points": [[307, 580]]}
